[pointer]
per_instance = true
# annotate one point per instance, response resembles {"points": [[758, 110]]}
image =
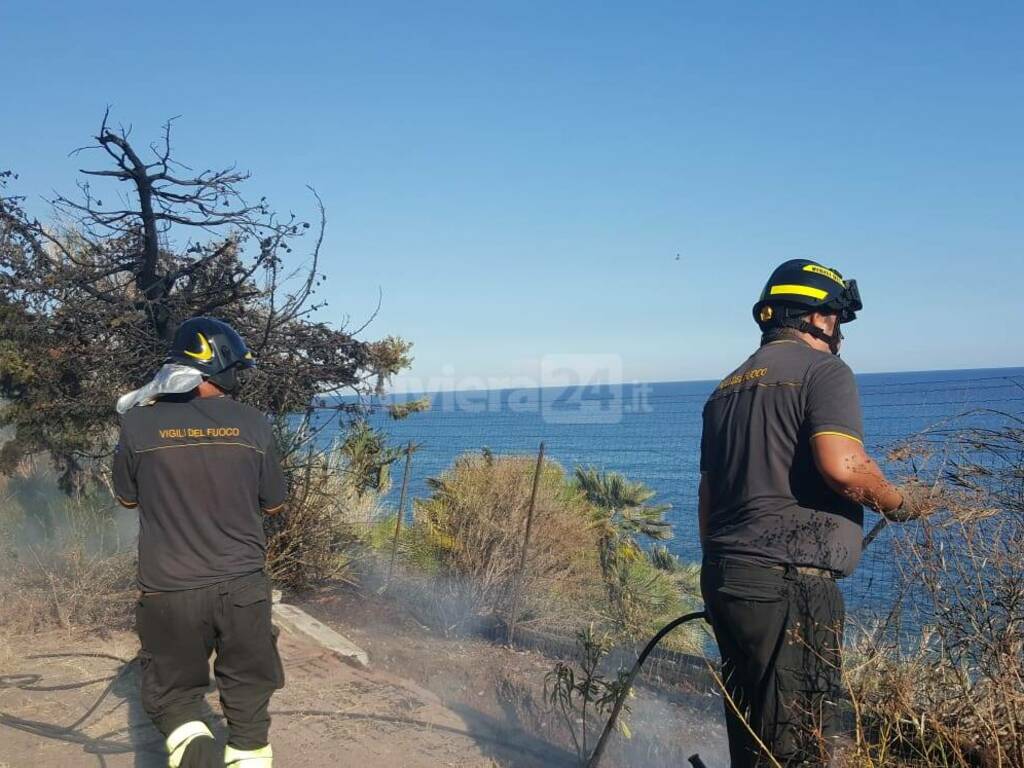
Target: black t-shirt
{"points": [[769, 504], [200, 470]]}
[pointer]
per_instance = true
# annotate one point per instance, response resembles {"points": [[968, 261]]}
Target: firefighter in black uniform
{"points": [[784, 478], [201, 468]]}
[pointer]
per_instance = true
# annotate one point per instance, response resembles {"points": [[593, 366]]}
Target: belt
{"points": [[807, 570], [803, 570]]}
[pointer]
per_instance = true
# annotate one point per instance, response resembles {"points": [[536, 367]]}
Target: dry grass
{"points": [[956, 696], [71, 572], [72, 589]]}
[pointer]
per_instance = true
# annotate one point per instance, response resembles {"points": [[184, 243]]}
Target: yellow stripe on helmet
{"points": [[799, 290], [819, 270], [205, 353]]}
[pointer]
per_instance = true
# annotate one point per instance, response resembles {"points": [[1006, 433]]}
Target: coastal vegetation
{"points": [[460, 557], [954, 694]]}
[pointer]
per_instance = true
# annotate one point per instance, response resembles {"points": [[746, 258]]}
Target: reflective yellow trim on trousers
{"points": [[248, 758], [799, 290], [838, 434], [181, 737]]}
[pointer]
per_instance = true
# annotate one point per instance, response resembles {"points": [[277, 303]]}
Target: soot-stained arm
{"points": [[849, 471]]}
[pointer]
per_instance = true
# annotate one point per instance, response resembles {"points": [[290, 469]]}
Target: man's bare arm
{"points": [[849, 471]]}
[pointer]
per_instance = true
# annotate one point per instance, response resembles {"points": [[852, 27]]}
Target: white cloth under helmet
{"points": [[171, 379]]}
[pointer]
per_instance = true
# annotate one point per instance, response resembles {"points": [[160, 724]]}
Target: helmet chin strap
{"points": [[832, 339], [227, 380]]}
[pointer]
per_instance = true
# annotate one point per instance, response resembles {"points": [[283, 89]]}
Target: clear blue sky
{"points": [[519, 176]]}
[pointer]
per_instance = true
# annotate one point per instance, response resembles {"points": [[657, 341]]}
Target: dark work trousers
{"points": [[780, 634], [179, 631]]}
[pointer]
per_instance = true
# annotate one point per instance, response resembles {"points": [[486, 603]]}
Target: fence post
{"points": [[401, 511], [517, 577]]}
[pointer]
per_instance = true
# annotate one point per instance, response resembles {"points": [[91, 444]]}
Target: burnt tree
{"points": [[90, 298]]}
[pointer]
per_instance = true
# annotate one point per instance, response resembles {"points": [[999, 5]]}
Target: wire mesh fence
{"points": [[650, 434]]}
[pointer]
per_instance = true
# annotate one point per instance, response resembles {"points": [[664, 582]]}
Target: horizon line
{"points": [[638, 382]]}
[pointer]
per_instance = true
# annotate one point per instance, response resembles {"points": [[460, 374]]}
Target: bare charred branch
{"points": [[97, 293]]}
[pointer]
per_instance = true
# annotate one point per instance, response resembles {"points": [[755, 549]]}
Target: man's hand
{"points": [[918, 501]]}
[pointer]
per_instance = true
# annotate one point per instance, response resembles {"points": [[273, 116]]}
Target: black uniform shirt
{"points": [[200, 471], [769, 504]]}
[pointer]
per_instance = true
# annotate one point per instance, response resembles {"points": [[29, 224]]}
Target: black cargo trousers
{"points": [[780, 635], [180, 630]]}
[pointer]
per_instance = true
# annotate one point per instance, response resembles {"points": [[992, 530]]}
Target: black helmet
{"points": [[213, 348], [799, 287]]}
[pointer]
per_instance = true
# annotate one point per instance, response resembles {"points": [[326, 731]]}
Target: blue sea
{"points": [[651, 433]]}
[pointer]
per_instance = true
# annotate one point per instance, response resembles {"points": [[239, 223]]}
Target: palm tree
{"points": [[621, 515]]}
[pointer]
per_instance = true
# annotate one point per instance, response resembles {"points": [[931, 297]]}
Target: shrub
{"points": [[648, 597], [474, 523], [316, 538], [582, 696]]}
